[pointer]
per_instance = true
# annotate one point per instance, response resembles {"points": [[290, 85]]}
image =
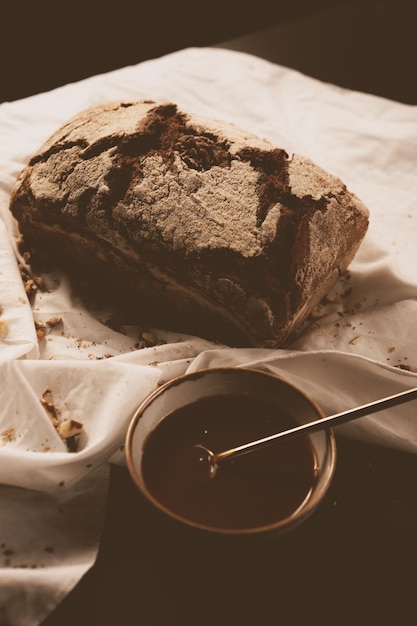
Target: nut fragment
{"points": [[43, 328], [52, 410], [69, 428], [50, 323]]}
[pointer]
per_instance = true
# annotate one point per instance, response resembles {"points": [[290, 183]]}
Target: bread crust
{"points": [[191, 223]]}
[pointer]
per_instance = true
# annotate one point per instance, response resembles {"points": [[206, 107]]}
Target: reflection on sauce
{"points": [[250, 491]]}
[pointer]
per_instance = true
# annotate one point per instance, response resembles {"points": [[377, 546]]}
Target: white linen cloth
{"points": [[362, 345]]}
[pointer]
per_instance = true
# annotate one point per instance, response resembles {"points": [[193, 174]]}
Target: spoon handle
{"points": [[322, 422]]}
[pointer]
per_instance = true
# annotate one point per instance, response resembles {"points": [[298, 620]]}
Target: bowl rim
{"points": [[306, 508]]}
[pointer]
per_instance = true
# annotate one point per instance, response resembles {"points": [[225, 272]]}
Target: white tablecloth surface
{"points": [[360, 346]]}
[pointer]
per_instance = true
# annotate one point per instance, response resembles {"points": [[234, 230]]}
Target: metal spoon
{"points": [[215, 458]]}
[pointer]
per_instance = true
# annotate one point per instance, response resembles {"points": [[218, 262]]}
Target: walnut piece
{"points": [[68, 429]]}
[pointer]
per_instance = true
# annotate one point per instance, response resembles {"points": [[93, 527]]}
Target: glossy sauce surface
{"points": [[251, 491]]}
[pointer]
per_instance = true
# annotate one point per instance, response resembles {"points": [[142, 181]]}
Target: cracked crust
{"points": [[199, 226]]}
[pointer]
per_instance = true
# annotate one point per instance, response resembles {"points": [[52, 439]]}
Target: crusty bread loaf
{"points": [[193, 223]]}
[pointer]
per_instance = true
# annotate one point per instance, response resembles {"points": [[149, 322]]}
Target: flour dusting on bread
{"points": [[191, 223]]}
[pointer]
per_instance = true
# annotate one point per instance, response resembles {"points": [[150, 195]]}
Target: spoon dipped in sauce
{"points": [[212, 460], [262, 491]]}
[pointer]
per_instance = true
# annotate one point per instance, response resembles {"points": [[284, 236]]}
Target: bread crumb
{"points": [[31, 282], [403, 366], [9, 434], [4, 329], [148, 339]]}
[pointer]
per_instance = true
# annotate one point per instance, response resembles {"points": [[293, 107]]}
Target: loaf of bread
{"points": [[191, 224]]}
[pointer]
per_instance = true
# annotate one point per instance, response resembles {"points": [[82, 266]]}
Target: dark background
{"points": [[365, 45], [46, 44], [368, 45]]}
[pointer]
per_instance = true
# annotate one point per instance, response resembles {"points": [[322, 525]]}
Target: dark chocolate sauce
{"points": [[251, 491]]}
